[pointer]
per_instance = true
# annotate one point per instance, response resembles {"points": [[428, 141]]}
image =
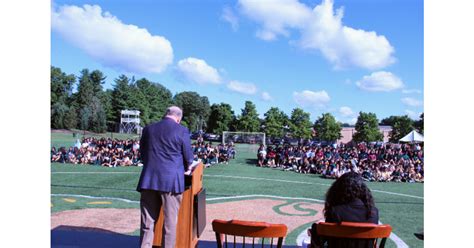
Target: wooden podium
{"points": [[186, 229]]}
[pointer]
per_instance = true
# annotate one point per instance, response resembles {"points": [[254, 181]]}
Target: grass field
{"points": [[399, 204]]}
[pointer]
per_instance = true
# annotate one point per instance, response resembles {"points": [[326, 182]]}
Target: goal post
{"points": [[243, 137]]}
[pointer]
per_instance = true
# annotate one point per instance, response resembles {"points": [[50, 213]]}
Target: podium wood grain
{"points": [[185, 236]]}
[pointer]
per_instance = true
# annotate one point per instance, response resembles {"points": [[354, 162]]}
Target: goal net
{"points": [[243, 138], [244, 141]]}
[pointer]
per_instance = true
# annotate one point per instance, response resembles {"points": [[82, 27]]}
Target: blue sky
{"points": [[323, 56]]}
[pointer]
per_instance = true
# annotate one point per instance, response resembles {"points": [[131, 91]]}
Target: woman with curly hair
{"points": [[348, 199]]}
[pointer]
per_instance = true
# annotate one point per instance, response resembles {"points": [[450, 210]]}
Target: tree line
{"points": [[92, 108]]}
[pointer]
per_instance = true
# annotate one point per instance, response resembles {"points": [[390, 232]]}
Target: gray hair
{"points": [[174, 111]]}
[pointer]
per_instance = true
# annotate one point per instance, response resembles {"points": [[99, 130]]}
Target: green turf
{"points": [[404, 214]]}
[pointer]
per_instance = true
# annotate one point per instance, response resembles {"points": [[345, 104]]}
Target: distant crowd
{"points": [[104, 152], [210, 155], [382, 162], [114, 152]]}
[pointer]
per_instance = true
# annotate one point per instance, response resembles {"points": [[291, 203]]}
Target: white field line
{"points": [[239, 177], [97, 197], [307, 183], [398, 241], [92, 172], [269, 196]]}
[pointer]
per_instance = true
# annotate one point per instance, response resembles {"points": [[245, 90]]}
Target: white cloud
{"points": [[241, 87], [322, 30], [266, 96], [412, 102], [276, 17], [346, 111], [309, 98], [410, 91], [229, 16], [380, 81], [197, 70], [412, 114], [114, 44]]}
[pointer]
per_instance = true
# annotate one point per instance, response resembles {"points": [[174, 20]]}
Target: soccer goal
{"points": [[243, 137]]}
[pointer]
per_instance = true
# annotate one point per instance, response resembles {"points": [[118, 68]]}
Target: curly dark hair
{"points": [[346, 189]]}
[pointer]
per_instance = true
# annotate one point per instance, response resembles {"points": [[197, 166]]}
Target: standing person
{"points": [[165, 148]]}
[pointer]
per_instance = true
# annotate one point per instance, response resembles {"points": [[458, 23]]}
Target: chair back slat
{"points": [[354, 230], [350, 233], [249, 229]]}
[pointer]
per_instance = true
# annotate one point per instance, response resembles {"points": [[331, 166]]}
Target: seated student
{"points": [[348, 199]]}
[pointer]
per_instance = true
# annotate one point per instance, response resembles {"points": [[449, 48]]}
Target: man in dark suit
{"points": [[165, 148]]}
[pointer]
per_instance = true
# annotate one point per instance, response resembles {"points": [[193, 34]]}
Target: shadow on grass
{"points": [[71, 236], [78, 237], [251, 161]]}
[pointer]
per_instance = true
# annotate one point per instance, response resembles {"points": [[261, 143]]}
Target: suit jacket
{"points": [[165, 148]]}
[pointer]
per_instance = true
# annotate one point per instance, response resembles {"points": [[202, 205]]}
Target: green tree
{"points": [[151, 99], [300, 124], [61, 86], [88, 100], [419, 124], [196, 109], [85, 115], [121, 96], [327, 128], [58, 114], [248, 121], [220, 118], [367, 128], [97, 120], [106, 99], [70, 119], [61, 91], [389, 121], [274, 122], [401, 126]]}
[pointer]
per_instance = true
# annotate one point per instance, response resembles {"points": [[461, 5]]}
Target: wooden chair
{"points": [[248, 229], [349, 234]]}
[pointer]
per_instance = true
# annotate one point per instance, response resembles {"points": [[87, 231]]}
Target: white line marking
{"points": [[97, 197], [307, 183], [303, 237], [94, 172], [398, 241], [269, 196], [238, 177]]}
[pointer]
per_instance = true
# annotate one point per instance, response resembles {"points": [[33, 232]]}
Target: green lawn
{"points": [[399, 204]]}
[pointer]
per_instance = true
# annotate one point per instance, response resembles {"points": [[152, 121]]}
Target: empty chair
{"points": [[349, 234], [250, 231]]}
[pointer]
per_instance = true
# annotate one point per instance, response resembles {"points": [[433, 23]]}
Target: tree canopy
{"points": [[275, 120], [401, 126], [367, 128], [300, 124], [327, 128], [196, 109], [248, 120], [220, 119]]}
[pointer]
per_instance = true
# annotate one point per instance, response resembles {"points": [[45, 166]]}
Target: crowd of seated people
{"points": [[374, 161], [210, 155], [113, 152], [99, 151]]}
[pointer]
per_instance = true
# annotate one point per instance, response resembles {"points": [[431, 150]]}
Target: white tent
{"points": [[413, 136]]}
